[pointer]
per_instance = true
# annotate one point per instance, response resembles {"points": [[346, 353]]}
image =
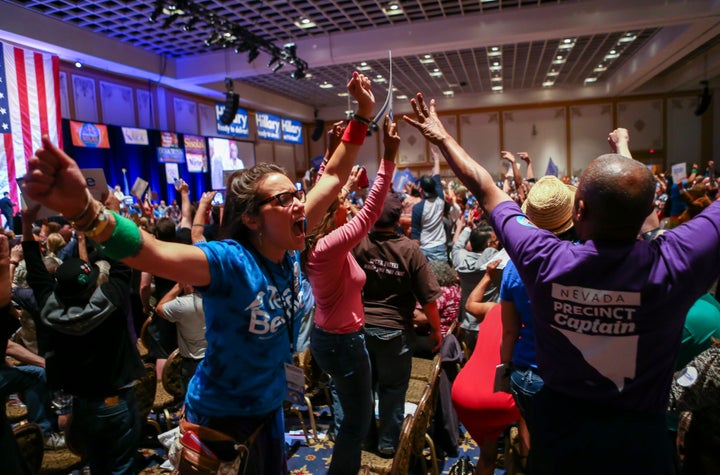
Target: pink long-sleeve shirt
{"points": [[335, 276]]}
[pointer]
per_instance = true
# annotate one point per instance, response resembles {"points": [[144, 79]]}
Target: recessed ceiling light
{"points": [[326, 85], [566, 44], [600, 68], [494, 51], [548, 83], [496, 79], [304, 23], [590, 79], [343, 94], [448, 93], [363, 67], [497, 88], [401, 97], [436, 74], [379, 79], [78, 64], [627, 38], [559, 60], [552, 73], [427, 59], [495, 68], [612, 55], [393, 8]]}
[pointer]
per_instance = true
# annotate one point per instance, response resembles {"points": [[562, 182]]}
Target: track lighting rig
{"points": [[226, 34]]}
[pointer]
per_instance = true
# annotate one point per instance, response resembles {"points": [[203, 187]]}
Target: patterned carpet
{"points": [[304, 459], [316, 459]]}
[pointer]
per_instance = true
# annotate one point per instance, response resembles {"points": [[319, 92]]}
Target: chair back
{"points": [[32, 445], [401, 461], [172, 379], [145, 388], [145, 337]]}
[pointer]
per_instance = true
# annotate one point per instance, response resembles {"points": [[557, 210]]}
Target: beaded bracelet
{"points": [[362, 119]]}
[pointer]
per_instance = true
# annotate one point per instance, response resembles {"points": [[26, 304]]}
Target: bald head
{"points": [[614, 197]]}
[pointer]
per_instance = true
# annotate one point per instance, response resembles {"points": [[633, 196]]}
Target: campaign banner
{"points": [[239, 126], [135, 136], [195, 153], [402, 178], [87, 134], [292, 131], [268, 126], [169, 140], [679, 172], [170, 155]]}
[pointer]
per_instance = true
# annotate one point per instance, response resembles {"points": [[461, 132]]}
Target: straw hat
{"points": [[549, 204]]}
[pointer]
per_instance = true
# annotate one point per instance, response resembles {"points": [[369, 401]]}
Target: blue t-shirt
{"points": [[243, 372], [513, 290], [609, 316]]}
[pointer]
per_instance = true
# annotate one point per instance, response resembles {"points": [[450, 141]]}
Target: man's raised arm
{"points": [[471, 174]]}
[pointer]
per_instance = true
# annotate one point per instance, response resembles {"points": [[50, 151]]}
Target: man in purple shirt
{"points": [[608, 312]]}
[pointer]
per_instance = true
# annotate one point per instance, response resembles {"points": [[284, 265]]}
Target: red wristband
{"points": [[355, 132]]}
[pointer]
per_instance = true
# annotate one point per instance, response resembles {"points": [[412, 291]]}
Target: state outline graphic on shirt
{"points": [[599, 323]]}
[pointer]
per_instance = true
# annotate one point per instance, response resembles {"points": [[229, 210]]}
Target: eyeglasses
{"points": [[286, 198]]}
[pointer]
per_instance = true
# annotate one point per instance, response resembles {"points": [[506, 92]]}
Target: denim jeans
{"points": [[391, 363], [524, 384], [109, 431], [436, 253], [31, 382], [345, 358]]}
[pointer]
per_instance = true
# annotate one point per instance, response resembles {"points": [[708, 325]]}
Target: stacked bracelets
{"points": [[356, 130], [126, 239]]}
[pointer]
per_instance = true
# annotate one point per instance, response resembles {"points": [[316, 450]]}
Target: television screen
{"points": [[226, 157]]}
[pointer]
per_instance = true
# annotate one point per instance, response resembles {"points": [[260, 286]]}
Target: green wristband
{"points": [[125, 241]]}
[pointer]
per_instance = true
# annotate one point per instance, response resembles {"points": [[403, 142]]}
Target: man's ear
{"points": [[254, 223], [579, 210]]}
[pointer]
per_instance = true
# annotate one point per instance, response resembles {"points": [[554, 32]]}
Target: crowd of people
{"points": [[604, 285]]}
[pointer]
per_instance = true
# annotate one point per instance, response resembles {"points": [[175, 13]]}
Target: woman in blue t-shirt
{"points": [[250, 281]]}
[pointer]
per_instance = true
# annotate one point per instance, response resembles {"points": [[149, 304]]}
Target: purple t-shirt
{"points": [[609, 317]]}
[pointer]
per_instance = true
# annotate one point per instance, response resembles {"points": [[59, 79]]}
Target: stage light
{"points": [[169, 21], [156, 13], [215, 37], [190, 25], [253, 54]]}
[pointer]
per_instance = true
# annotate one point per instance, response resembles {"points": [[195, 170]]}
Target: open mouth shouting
{"points": [[300, 227]]}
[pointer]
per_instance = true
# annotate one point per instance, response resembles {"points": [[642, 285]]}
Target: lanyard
{"points": [[289, 313]]}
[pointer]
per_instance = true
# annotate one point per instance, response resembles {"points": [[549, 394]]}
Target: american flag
{"points": [[29, 108]]}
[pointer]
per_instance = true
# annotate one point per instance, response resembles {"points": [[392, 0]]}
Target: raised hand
{"points": [[507, 156], [359, 87], [525, 157], [427, 121], [207, 197], [619, 140], [391, 139], [334, 137], [55, 180], [352, 182]]}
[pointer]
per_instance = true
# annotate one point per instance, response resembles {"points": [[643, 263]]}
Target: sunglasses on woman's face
{"points": [[286, 198]]}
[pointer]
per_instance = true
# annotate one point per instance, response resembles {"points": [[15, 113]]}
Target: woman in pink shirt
{"points": [[337, 340]]}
